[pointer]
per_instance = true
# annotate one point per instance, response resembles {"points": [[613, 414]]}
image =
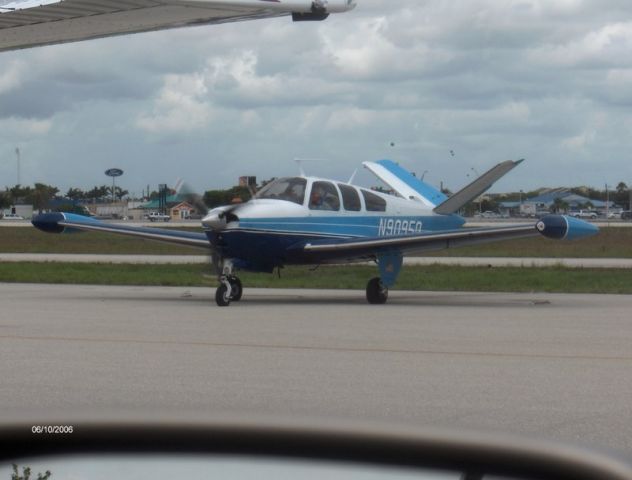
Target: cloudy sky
{"points": [[411, 80]]}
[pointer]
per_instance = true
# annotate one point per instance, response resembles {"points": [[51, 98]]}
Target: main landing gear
{"points": [[230, 288], [376, 291]]}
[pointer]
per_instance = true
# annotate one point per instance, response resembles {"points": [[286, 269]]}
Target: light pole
{"points": [[17, 154], [520, 211]]}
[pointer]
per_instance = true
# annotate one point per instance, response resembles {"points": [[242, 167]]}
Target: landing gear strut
{"points": [[230, 289], [376, 291]]}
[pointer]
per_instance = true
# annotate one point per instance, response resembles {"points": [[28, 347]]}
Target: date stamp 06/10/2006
{"points": [[52, 429]]}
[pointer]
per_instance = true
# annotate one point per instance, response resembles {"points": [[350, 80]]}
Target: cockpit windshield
{"points": [[290, 189]]}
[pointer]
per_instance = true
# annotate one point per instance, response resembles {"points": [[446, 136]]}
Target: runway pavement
{"points": [[555, 366]]}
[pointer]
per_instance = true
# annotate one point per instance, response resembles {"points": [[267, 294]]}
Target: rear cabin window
{"points": [[373, 202], [350, 198], [324, 196]]}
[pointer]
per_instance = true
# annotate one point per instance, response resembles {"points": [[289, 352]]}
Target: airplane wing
{"points": [[552, 226], [404, 183], [29, 23], [476, 188], [69, 222]]}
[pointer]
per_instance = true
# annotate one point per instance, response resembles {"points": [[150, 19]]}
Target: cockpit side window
{"points": [[324, 197], [350, 198], [289, 189], [373, 202]]}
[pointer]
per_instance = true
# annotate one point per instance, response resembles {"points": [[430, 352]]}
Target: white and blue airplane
{"points": [[310, 221]]}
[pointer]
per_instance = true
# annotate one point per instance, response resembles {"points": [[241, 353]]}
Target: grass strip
{"points": [[433, 277]]}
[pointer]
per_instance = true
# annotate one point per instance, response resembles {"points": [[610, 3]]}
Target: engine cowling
{"points": [[320, 10], [334, 6], [563, 227]]}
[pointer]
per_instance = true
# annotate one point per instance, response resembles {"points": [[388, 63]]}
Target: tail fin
{"points": [[477, 187], [404, 183]]}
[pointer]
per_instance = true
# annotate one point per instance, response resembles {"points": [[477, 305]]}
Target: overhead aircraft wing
{"points": [[552, 226], [68, 222], [30, 23], [476, 188]]}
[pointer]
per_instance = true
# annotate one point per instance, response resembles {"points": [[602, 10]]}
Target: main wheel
{"points": [[236, 289], [376, 292], [221, 297]]}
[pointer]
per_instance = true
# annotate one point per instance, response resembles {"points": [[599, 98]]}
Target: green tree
{"points": [[98, 193], [487, 204], [119, 192], [217, 198], [559, 206], [622, 195], [41, 195], [26, 474], [75, 194], [18, 193], [5, 199]]}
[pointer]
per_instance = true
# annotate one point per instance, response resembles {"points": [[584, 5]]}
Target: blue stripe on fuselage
{"points": [[265, 243], [354, 226]]}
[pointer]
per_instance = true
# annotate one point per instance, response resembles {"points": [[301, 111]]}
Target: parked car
{"points": [[626, 215], [584, 214], [158, 217], [490, 214]]}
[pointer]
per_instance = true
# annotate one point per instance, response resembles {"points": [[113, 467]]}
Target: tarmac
{"points": [[548, 365]]}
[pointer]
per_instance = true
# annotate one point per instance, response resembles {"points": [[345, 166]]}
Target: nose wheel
{"points": [[376, 291], [236, 288], [230, 290]]}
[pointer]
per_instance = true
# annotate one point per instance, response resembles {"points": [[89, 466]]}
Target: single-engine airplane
{"points": [[310, 221], [30, 23]]}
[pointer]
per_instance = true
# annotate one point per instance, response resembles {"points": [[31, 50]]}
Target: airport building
{"points": [[566, 200]]}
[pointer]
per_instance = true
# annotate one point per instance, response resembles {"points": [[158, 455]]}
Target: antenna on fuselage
{"points": [[300, 161], [352, 176]]}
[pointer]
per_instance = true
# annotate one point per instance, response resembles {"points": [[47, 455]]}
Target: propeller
{"points": [[188, 194]]}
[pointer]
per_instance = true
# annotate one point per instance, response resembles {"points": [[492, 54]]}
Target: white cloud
{"points": [[181, 106], [11, 76], [487, 79], [609, 45], [13, 128]]}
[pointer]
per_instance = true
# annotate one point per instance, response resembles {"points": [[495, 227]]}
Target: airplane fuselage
{"points": [[280, 227]]}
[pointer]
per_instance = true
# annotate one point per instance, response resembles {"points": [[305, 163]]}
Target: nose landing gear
{"points": [[230, 288]]}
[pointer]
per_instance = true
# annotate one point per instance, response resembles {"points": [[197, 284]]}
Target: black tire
{"points": [[376, 292], [236, 289], [221, 298]]}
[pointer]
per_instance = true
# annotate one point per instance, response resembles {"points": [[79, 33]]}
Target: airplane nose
{"points": [[215, 220], [219, 217]]}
